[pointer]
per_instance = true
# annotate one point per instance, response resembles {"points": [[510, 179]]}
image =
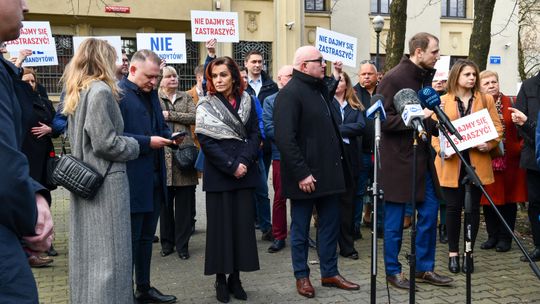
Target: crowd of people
{"points": [[131, 122]]}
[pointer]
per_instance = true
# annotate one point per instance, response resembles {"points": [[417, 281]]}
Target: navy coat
{"points": [[528, 102], [138, 124]]}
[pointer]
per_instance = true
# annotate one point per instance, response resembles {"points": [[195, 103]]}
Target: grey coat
{"points": [[100, 229], [181, 118]]}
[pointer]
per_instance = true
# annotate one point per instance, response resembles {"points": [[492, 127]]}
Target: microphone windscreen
{"points": [[429, 98], [404, 97]]}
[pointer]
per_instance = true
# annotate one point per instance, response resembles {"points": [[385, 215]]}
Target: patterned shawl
{"points": [[215, 119]]}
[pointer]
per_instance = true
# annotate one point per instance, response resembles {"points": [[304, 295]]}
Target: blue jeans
{"points": [[262, 202], [426, 226], [328, 232]]}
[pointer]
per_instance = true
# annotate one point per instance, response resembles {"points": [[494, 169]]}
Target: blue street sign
{"points": [[494, 59]]}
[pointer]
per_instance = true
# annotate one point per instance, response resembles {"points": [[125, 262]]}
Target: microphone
{"points": [[430, 99], [377, 107], [408, 105]]}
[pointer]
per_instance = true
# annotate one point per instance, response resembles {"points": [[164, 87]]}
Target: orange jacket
{"points": [[448, 170]]}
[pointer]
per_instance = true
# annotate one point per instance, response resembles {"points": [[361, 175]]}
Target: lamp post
{"points": [[378, 24]]}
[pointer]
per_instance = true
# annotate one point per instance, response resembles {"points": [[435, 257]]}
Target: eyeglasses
{"points": [[367, 61], [319, 60]]}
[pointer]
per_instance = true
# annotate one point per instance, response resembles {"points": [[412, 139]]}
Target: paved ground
{"points": [[498, 277]]}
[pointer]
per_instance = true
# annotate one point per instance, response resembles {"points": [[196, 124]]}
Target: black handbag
{"points": [[76, 176], [185, 156]]}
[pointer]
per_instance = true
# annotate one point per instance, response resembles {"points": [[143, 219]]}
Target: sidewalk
{"points": [[498, 277]]}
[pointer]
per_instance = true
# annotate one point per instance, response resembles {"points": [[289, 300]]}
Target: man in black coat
{"points": [[24, 212], [525, 117], [312, 169], [396, 167]]}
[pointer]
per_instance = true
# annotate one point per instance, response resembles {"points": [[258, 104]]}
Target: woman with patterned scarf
{"points": [[510, 185], [227, 129]]}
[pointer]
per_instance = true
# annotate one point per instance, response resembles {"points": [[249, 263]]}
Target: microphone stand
{"points": [[377, 196], [472, 178], [412, 255]]}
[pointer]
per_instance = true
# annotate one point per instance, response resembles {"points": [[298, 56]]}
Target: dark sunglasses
{"points": [[319, 60]]}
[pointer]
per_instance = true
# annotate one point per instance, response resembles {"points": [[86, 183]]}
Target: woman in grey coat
{"points": [[100, 233]]}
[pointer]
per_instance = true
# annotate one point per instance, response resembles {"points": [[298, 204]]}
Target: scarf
{"points": [[499, 163], [216, 119]]}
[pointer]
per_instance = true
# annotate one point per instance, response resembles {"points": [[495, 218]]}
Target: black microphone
{"points": [[430, 99], [408, 105]]}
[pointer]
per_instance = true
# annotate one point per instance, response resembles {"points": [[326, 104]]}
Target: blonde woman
{"points": [[176, 216], [463, 98], [100, 231]]}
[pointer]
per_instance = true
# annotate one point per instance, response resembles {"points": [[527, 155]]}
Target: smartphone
{"points": [[177, 135]]}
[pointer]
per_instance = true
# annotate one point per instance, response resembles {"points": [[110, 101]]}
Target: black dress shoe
{"points": [[489, 244], [503, 246], [52, 251], [267, 236], [535, 255], [466, 267], [398, 280], [453, 264], [166, 252], [153, 295], [353, 255], [222, 292], [184, 255], [235, 287], [443, 235], [155, 239], [276, 246]]}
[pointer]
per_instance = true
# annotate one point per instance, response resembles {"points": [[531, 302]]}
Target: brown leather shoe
{"points": [[339, 282], [37, 261], [433, 278], [406, 221], [398, 281], [305, 288]]}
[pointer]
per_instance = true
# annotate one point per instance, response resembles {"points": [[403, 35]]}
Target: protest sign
{"points": [[443, 67], [115, 41], [169, 47], [206, 25], [335, 46], [37, 37], [475, 129]]}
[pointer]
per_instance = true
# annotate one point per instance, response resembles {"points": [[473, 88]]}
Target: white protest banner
{"points": [[475, 129], [206, 25], [115, 41], [335, 46], [169, 47], [37, 37], [443, 67]]}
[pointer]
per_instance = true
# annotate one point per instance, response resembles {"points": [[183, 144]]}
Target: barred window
{"points": [[241, 49], [49, 76]]}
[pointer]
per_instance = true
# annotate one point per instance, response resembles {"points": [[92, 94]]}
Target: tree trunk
{"points": [[395, 41], [481, 32], [521, 58]]}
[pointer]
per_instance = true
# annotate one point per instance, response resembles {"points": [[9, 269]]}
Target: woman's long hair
{"points": [[94, 60], [238, 82], [453, 77], [350, 94]]}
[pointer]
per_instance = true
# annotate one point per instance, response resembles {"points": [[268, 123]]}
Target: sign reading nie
{"points": [[37, 37], [169, 47], [206, 25], [335, 46]]}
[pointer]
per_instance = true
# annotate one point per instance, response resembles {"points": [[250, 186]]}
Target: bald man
{"points": [[279, 208], [310, 174]]}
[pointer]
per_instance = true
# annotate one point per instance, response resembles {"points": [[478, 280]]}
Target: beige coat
{"points": [[181, 117], [448, 172]]}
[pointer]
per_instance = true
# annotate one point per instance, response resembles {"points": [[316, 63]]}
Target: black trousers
{"points": [[346, 240], [176, 218], [495, 227], [533, 187], [455, 200]]}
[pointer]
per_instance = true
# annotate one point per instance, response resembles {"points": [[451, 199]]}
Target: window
{"points": [[241, 48], [49, 76], [314, 5], [380, 7], [453, 8]]}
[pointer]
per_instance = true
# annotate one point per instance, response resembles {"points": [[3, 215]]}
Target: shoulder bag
{"points": [[76, 176]]}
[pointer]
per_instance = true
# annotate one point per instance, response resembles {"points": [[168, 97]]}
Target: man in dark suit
{"points": [[24, 212], [525, 117], [311, 176], [143, 120]]}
